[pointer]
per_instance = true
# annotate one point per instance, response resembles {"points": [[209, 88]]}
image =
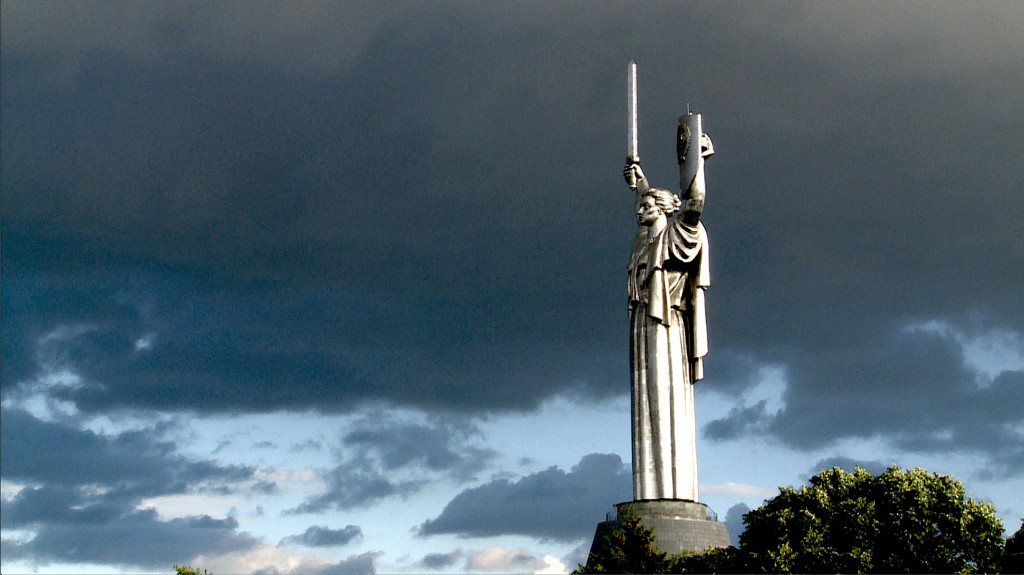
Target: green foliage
{"points": [[723, 560], [628, 548], [186, 570], [897, 522], [1013, 553]]}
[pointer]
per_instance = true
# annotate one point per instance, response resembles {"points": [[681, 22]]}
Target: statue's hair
{"points": [[666, 200]]}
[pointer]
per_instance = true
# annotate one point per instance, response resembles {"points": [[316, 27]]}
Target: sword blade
{"points": [[632, 148]]}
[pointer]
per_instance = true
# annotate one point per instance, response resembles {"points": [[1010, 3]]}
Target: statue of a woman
{"points": [[668, 274]]}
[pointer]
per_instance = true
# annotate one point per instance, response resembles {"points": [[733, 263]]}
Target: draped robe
{"points": [[667, 278]]}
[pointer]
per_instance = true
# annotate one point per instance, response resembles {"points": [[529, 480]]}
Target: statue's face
{"points": [[648, 212]]}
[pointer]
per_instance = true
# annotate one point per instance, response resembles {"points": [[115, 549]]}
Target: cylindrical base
{"points": [[677, 525]]}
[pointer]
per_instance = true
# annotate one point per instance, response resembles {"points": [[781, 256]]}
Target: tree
{"points": [[897, 522], [628, 548], [717, 560], [186, 570], [1013, 552]]}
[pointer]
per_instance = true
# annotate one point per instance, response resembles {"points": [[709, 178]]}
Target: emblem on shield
{"points": [[683, 142]]}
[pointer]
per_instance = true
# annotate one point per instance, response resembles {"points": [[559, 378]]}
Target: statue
{"points": [[668, 274]]}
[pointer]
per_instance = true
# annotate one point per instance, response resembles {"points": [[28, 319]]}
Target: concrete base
{"points": [[677, 525]]}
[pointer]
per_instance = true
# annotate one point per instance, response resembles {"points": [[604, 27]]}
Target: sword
{"points": [[632, 155]]}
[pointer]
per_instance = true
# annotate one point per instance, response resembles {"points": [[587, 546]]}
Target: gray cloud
{"points": [[263, 34], [849, 464], [734, 522], [911, 386], [133, 463], [83, 489], [232, 210], [131, 538], [383, 455], [361, 564], [741, 421], [317, 536], [231, 202], [551, 504], [438, 561], [351, 486], [438, 445]]}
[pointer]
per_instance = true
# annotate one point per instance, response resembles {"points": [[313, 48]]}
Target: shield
{"points": [[692, 146]]}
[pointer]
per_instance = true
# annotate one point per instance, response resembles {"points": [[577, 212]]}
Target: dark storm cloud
{"points": [[550, 504], [920, 393], [245, 211], [317, 536], [383, 455], [922, 375], [203, 175]]}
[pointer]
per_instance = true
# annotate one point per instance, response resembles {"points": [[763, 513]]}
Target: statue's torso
{"points": [[652, 275]]}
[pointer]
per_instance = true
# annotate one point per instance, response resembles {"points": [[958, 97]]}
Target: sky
{"points": [[340, 287]]}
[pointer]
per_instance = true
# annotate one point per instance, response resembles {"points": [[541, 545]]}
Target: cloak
{"points": [[671, 272]]}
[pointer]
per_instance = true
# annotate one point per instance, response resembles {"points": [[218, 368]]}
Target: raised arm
{"points": [[632, 172], [693, 147]]}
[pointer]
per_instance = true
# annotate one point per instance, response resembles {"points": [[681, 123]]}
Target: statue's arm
{"points": [[634, 173], [691, 216], [693, 171]]}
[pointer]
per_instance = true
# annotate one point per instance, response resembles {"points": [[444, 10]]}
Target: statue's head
{"points": [[657, 202]]}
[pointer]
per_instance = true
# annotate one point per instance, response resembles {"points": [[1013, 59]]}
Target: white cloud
{"points": [[269, 558], [145, 342], [186, 505], [35, 397], [9, 489], [737, 490], [552, 565], [502, 559]]}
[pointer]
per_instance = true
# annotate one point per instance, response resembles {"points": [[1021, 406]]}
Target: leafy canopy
{"points": [[900, 521], [629, 548]]}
